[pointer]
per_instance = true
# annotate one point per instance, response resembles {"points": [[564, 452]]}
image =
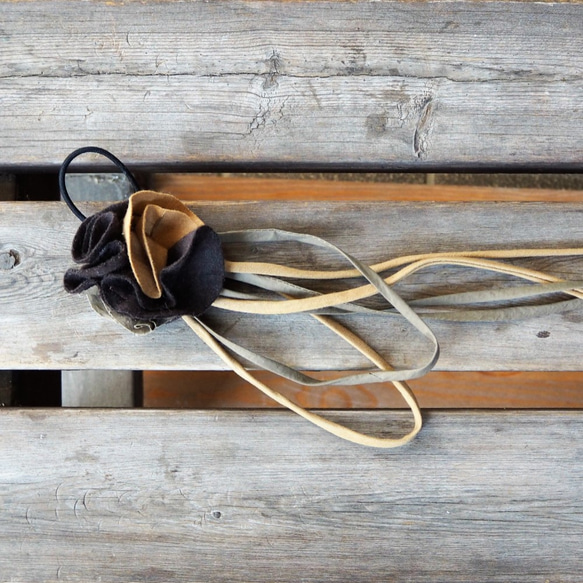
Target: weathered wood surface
{"points": [[378, 85], [239, 496], [437, 390], [43, 327]]}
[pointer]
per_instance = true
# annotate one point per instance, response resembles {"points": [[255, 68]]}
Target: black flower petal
{"points": [[114, 258], [91, 242], [191, 281]]}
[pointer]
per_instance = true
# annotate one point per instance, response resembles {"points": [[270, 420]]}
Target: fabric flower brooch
{"points": [[149, 260]]}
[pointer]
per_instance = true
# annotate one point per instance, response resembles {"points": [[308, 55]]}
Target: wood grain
{"points": [[43, 327], [437, 390], [320, 84], [241, 496], [193, 187]]}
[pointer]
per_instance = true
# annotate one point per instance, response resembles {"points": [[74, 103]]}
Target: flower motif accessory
{"points": [[150, 259]]}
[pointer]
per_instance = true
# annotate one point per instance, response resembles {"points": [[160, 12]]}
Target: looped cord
{"points": [[384, 371], [271, 294], [93, 150], [337, 429]]}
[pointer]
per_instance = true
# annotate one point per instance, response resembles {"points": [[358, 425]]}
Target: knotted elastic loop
{"points": [[93, 150]]}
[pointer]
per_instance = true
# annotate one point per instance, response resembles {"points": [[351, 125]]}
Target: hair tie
{"points": [[94, 150]]}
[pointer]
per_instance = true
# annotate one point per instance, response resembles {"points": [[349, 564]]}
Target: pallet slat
{"points": [[194, 187], [46, 328], [240, 496], [378, 85]]}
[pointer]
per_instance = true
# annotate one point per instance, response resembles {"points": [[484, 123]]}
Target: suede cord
{"points": [[153, 260], [385, 373], [267, 277]]}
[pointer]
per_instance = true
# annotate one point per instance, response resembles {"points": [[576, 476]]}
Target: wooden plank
{"points": [[320, 84], [194, 187], [97, 388], [437, 390], [239, 496], [43, 327], [200, 390]]}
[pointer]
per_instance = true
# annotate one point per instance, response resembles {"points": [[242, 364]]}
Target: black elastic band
{"points": [[95, 150]]}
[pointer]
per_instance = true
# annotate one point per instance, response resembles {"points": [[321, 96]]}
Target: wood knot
{"points": [[9, 259]]}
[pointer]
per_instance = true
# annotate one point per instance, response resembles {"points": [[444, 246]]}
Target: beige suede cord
{"points": [[366, 291], [292, 272], [330, 426]]}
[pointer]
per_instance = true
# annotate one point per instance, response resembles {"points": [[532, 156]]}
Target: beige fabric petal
{"points": [[153, 223]]}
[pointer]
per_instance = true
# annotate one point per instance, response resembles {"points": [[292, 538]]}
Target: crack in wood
{"points": [[423, 130], [274, 74]]}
